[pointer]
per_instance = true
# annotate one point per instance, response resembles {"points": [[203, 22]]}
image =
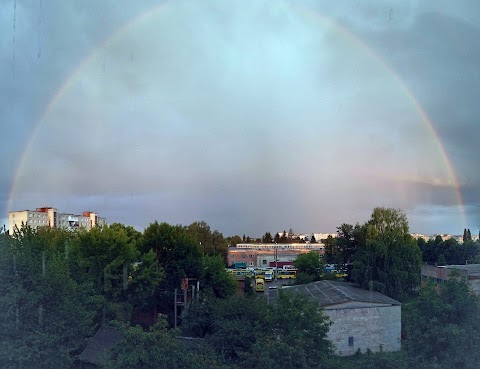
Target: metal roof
{"points": [[99, 344], [329, 293]]}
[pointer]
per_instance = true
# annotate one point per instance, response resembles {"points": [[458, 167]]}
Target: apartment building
{"points": [[50, 217]]}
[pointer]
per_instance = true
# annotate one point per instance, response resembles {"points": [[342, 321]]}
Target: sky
{"points": [[252, 115]]}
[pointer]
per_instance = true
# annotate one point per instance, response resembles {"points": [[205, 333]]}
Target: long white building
{"points": [[50, 217]]}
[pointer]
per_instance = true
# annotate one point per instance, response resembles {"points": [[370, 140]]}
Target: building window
{"points": [[251, 256], [350, 341], [264, 262], [30, 215]]}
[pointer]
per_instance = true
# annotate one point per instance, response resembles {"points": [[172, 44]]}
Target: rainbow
{"points": [[302, 9]]}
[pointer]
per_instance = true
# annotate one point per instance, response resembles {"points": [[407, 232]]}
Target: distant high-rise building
{"points": [[50, 217]]}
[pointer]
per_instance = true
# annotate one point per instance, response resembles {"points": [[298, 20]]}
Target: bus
{"points": [[260, 274], [286, 274], [269, 275], [259, 285], [240, 272]]}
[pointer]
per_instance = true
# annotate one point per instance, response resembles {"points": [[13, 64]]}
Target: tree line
{"points": [[58, 287]]}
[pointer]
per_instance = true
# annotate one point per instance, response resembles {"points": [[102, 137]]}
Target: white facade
{"points": [[50, 217], [281, 246]]}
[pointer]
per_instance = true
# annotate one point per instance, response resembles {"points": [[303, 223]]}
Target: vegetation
{"points": [[116, 275], [310, 267], [246, 332], [450, 251]]}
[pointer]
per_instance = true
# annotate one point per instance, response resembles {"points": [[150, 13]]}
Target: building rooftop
{"points": [[472, 269], [331, 293], [100, 344]]}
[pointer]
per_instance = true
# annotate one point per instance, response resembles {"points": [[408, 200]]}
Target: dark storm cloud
{"points": [[437, 58]]}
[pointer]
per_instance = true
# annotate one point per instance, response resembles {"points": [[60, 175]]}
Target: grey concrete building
{"points": [[361, 319], [470, 273]]}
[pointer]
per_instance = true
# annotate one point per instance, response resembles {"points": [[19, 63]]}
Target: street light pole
{"points": [[276, 264]]}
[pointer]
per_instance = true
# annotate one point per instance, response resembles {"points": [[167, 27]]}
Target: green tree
{"points": [[102, 256], [216, 278], [237, 324], [390, 260], [157, 348], [249, 333], [332, 253], [444, 326], [233, 241], [438, 240], [267, 238], [299, 330], [310, 267], [176, 253], [38, 302], [349, 239]]}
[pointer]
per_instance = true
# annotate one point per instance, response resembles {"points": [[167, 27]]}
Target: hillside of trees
{"points": [[59, 287]]}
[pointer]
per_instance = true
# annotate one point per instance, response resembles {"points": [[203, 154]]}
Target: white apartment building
{"points": [[50, 217]]}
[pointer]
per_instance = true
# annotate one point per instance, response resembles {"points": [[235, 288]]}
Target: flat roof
{"points": [[472, 269]]}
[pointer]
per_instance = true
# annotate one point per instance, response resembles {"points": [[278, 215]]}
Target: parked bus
{"points": [[259, 285], [269, 275], [260, 274], [286, 274]]}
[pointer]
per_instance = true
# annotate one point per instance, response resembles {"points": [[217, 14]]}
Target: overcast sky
{"points": [[252, 115]]}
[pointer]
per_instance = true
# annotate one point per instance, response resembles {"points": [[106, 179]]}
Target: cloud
{"points": [[250, 115]]}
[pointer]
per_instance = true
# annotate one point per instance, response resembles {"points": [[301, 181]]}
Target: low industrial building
{"points": [[262, 255], [439, 274], [362, 320]]}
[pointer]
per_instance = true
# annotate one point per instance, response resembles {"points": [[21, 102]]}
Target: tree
{"points": [[249, 333], [211, 243], [216, 278], [276, 239], [390, 260], [349, 239], [39, 300], [105, 257], [312, 239], [444, 326], [156, 348], [267, 238], [310, 266], [233, 241], [467, 235], [236, 324], [332, 254], [297, 336], [176, 252]]}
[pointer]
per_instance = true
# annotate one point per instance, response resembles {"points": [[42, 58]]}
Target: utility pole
{"points": [[276, 264]]}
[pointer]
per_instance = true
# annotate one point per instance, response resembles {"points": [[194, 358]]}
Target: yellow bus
{"points": [[259, 285], [260, 274], [286, 274]]}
